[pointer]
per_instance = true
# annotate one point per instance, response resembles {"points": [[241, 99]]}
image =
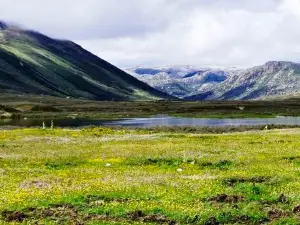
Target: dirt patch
{"points": [[296, 209], [255, 142], [153, 218], [137, 216], [14, 216], [274, 214], [157, 162], [292, 158], [54, 212], [224, 198], [222, 165], [283, 199], [63, 165], [35, 184], [68, 214], [212, 221], [244, 219], [236, 180]]}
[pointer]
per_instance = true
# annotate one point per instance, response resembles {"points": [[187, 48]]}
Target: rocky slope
{"points": [[275, 79], [31, 62]]}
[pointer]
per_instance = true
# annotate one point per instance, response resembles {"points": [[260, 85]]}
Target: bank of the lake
{"points": [[30, 106], [150, 122]]}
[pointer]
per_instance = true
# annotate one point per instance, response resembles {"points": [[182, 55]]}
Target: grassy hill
{"points": [[33, 63]]}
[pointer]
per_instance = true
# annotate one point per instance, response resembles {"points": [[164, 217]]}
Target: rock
{"points": [[275, 79], [5, 115]]}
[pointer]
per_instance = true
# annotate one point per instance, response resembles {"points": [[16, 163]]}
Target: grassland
{"points": [[105, 176], [39, 106]]}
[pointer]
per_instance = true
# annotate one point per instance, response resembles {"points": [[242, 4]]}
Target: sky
{"points": [[129, 33]]}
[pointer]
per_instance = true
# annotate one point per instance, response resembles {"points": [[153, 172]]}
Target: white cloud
{"points": [[155, 32], [292, 6]]}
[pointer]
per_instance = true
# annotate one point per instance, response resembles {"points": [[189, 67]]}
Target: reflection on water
{"points": [[151, 122], [179, 121]]}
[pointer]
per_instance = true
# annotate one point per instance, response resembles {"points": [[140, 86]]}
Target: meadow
{"points": [[42, 106], [138, 176]]}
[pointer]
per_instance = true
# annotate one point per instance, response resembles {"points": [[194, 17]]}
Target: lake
{"points": [[151, 122]]}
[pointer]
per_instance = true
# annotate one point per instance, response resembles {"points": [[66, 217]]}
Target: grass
{"points": [[115, 176], [34, 63], [35, 106]]}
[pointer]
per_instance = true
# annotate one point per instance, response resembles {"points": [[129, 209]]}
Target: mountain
{"points": [[274, 79], [31, 62]]}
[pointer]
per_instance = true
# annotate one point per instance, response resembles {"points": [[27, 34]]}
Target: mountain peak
{"points": [[270, 80], [3, 25], [69, 70], [278, 63]]}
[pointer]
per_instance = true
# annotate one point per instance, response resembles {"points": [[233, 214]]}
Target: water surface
{"points": [[151, 122]]}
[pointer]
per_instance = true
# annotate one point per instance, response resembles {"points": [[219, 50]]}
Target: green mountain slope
{"points": [[34, 63]]}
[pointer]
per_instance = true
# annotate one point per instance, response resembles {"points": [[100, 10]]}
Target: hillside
{"points": [[275, 79], [33, 63]]}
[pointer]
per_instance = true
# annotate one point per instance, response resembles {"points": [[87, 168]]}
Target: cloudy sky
{"points": [[129, 33]]}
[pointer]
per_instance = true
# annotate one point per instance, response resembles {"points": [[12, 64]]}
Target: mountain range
{"points": [[31, 62], [274, 79]]}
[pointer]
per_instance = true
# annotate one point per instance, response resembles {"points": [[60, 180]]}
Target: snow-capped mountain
{"points": [[271, 80]]}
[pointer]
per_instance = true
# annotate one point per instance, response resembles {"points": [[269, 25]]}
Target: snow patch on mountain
{"points": [[271, 80]]}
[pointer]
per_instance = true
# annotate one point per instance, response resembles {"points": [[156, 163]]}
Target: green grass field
{"points": [[104, 176]]}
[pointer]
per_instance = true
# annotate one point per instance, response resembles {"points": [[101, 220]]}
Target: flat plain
{"points": [[42, 106], [128, 176]]}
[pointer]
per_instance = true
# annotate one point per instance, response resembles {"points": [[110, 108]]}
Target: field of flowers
{"points": [[105, 176]]}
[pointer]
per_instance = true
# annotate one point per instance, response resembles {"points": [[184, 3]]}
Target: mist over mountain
{"points": [[31, 62]]}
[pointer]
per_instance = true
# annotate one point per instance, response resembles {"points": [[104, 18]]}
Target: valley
{"points": [[83, 142]]}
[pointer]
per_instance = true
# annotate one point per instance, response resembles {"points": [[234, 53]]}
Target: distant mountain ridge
{"points": [[31, 62], [274, 79]]}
